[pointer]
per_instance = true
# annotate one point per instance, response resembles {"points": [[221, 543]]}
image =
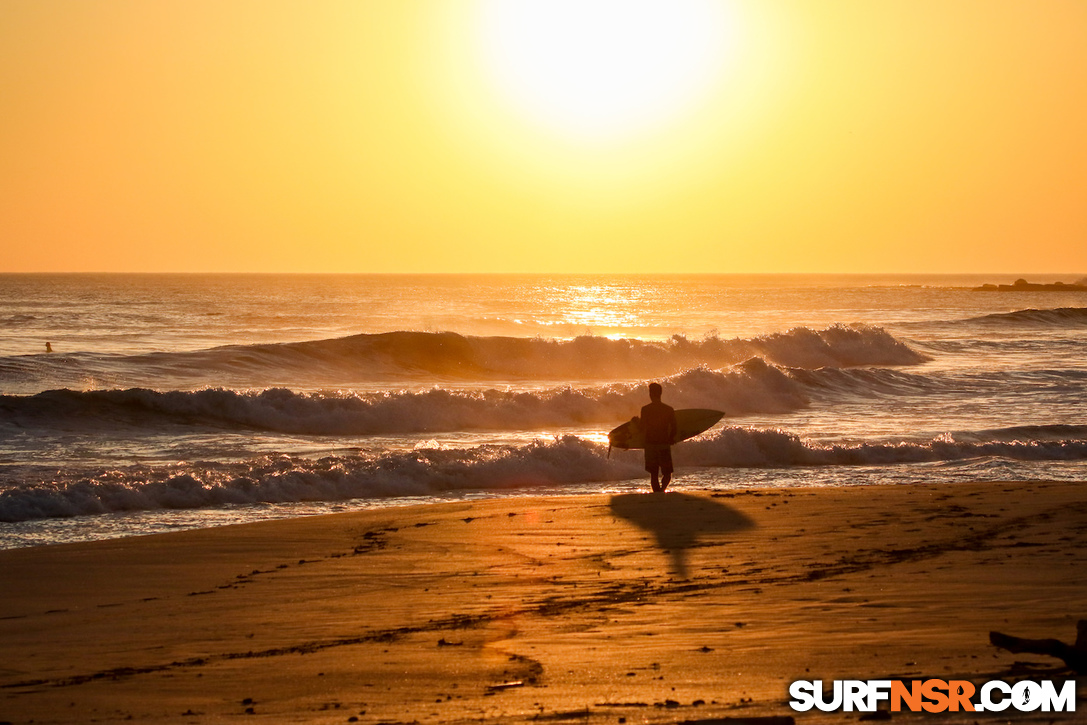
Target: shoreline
{"points": [[590, 608]]}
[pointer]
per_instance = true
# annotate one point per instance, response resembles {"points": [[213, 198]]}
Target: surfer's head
{"points": [[655, 391]]}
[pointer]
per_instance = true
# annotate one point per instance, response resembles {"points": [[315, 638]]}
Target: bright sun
{"points": [[605, 69]]}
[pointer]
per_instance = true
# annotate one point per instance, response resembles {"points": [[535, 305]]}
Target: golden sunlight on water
{"points": [[599, 307]]}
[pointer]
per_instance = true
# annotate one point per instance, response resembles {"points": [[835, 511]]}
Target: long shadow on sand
{"points": [[678, 520]]}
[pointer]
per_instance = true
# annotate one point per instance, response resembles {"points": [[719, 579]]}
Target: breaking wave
{"points": [[560, 462], [1057, 317], [450, 356], [753, 386], [743, 447], [455, 355], [281, 479]]}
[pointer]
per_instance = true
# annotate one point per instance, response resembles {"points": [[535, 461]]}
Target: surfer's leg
{"points": [[652, 465], [666, 467]]}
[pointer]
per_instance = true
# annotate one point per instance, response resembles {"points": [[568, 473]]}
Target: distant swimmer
{"points": [[48, 346], [659, 423]]}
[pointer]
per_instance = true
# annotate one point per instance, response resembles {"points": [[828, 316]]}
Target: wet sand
{"points": [[604, 609]]}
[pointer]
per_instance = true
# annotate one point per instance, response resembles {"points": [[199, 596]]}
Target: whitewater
{"points": [[181, 401]]}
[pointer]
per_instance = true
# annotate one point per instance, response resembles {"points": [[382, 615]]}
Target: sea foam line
{"points": [[427, 471]]}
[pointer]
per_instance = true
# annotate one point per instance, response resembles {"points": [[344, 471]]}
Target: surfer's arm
{"points": [[673, 427]]}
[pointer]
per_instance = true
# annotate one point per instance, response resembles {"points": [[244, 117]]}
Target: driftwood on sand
{"points": [[1073, 655]]}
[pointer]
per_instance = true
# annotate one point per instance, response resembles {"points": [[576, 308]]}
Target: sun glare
{"points": [[604, 69]]}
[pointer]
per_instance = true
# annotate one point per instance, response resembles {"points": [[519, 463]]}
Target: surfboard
{"points": [[689, 423]]}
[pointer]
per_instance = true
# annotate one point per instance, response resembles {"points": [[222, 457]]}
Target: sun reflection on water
{"points": [[599, 309]]}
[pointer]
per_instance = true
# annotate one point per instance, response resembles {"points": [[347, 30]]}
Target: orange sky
{"points": [[262, 135]]}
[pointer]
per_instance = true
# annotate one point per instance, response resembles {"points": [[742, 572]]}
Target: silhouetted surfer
{"points": [[659, 424], [49, 347]]}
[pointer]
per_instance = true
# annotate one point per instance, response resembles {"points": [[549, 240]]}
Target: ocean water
{"points": [[180, 401]]}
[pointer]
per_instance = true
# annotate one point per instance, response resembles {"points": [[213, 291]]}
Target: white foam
{"points": [[278, 479], [560, 462]]}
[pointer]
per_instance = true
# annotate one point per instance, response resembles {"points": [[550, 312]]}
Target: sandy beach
{"points": [[689, 606]]}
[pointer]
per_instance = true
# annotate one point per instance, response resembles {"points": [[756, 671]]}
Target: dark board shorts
{"points": [[658, 458]]}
